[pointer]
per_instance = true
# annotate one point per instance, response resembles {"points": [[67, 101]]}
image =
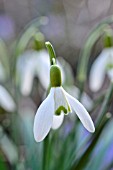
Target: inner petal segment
{"points": [[61, 102]]}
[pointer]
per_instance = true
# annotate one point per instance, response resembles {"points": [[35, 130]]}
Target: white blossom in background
{"points": [[58, 103], [34, 64], [6, 101], [85, 99], [102, 65]]}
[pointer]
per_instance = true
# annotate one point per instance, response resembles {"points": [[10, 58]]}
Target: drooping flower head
{"points": [[102, 65], [58, 103]]}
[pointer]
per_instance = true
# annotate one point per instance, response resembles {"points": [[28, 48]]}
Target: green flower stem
{"points": [[51, 52], [4, 58], [98, 101], [105, 105], [83, 160], [30, 31], [46, 149], [46, 143], [85, 53], [46, 146]]}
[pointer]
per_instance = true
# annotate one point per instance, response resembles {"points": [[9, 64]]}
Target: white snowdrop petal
{"points": [[26, 65], [81, 112], [6, 100], [85, 99], [44, 118], [27, 80], [57, 121], [43, 68], [73, 90], [97, 73]]}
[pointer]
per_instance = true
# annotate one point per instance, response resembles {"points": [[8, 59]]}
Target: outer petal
{"points": [[85, 100], [81, 113], [44, 118], [57, 121], [6, 100], [98, 69]]}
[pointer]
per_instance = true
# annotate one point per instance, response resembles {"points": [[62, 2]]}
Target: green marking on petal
{"points": [[60, 109], [69, 109], [63, 109]]}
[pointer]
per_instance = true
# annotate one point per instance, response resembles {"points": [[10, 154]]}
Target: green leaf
{"points": [[84, 159], [29, 32]]}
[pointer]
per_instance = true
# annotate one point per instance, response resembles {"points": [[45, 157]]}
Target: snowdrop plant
{"points": [[102, 65], [57, 104]]}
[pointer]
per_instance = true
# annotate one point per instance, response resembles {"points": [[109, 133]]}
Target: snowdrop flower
{"points": [[34, 64], [58, 103], [102, 65], [6, 100]]}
